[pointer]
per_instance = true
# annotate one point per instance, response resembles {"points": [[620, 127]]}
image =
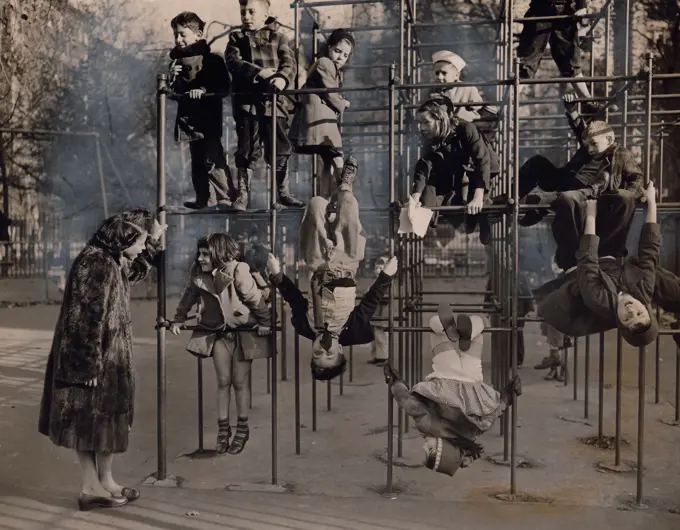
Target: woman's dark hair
{"points": [[187, 19], [141, 217], [336, 37], [116, 234], [326, 374], [222, 248]]}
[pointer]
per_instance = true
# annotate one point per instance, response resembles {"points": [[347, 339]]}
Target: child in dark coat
{"points": [[440, 173], [332, 251], [260, 60], [194, 72], [599, 166], [315, 128], [604, 292]]}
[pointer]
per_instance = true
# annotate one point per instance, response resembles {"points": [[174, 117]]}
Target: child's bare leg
{"points": [[580, 87]]}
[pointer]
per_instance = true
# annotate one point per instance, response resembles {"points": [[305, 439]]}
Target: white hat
{"points": [[446, 56]]}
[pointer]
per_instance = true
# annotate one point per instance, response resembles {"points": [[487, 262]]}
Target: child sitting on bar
{"points": [[315, 129], [332, 251], [453, 405], [194, 72], [448, 67], [600, 165], [229, 298], [440, 174], [606, 292]]}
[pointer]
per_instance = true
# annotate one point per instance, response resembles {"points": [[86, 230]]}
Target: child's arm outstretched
{"points": [[594, 290], [372, 299], [252, 296], [213, 77], [287, 64], [421, 176], [291, 294], [576, 121]]}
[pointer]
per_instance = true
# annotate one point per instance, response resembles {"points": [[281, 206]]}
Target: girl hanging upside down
{"points": [[333, 251], [453, 405]]}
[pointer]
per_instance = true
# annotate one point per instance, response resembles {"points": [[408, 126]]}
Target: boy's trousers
{"points": [[209, 171], [254, 133]]}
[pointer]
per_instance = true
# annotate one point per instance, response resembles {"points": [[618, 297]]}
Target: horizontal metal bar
{"points": [[550, 18], [417, 329], [449, 23], [332, 3], [48, 132]]}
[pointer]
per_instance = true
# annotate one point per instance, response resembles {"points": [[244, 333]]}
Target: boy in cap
{"points": [[447, 69], [453, 405], [605, 292]]}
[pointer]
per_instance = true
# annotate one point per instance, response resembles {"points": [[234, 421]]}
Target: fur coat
{"points": [[93, 339]]}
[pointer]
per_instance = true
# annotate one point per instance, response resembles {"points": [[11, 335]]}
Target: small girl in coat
{"points": [[453, 405], [315, 129], [229, 298]]}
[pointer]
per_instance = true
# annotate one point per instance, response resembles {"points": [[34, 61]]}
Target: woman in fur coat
{"points": [[88, 396]]}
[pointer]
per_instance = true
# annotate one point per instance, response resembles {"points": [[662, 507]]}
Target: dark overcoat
{"points": [[583, 302], [317, 115], [93, 339]]}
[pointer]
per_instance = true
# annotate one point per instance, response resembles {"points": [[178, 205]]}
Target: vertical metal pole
{"points": [[586, 381], [566, 366], [515, 275], [161, 374], [314, 405], [315, 169], [390, 311], [574, 376], [626, 70], [619, 373], [648, 125], [284, 333], [296, 354], [641, 427], [677, 385], [199, 367], [102, 180], [657, 363], [351, 364], [272, 339], [600, 390], [329, 401]]}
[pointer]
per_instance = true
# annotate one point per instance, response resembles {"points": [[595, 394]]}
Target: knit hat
{"points": [[446, 56], [445, 459]]}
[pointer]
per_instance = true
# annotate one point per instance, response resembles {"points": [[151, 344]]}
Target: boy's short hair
{"points": [[245, 2], [641, 334], [188, 19], [331, 372], [599, 127]]}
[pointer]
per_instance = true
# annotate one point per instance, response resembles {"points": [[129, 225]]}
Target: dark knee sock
{"points": [[223, 425]]}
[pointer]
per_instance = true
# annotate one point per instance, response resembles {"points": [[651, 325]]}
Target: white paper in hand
{"points": [[416, 221]]}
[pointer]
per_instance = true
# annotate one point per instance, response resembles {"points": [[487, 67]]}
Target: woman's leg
{"points": [[222, 355], [90, 478], [240, 379], [104, 468]]}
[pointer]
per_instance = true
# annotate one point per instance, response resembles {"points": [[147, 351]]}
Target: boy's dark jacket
{"points": [[246, 55], [199, 118], [624, 170], [357, 329], [582, 302]]}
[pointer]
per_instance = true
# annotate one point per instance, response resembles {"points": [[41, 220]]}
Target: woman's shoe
{"points": [[91, 502]]}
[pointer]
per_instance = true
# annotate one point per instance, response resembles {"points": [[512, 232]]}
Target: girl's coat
{"points": [[229, 298], [316, 119]]}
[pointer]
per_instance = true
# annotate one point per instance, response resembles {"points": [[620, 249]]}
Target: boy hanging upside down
{"points": [[332, 251], [453, 405], [604, 292]]}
